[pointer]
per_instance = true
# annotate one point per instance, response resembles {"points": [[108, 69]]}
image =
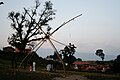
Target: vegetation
{"points": [[101, 76], [9, 72], [100, 53], [28, 28], [68, 54], [116, 65], [28, 25], [6, 72], [1, 3]]}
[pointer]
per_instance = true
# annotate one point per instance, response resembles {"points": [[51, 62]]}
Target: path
{"points": [[72, 77]]}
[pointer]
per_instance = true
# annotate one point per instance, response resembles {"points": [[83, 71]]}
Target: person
{"points": [[30, 66]]}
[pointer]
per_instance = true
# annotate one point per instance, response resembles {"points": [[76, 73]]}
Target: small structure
{"points": [[34, 66], [8, 49], [49, 67], [90, 66], [81, 65]]}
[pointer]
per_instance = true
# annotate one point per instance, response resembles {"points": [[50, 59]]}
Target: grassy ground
{"points": [[98, 76], [7, 73], [13, 74], [102, 76]]}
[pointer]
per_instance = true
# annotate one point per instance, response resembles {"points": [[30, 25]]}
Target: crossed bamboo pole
{"points": [[47, 37]]}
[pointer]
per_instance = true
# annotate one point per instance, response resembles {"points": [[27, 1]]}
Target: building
{"points": [[90, 66], [8, 49]]}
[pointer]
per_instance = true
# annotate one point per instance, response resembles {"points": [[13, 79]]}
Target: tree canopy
{"points": [[68, 53], [28, 25], [116, 65], [100, 53]]}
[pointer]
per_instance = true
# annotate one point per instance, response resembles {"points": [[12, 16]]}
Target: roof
{"points": [[81, 62], [8, 49]]}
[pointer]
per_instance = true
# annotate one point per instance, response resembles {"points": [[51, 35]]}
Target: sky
{"points": [[97, 28]]}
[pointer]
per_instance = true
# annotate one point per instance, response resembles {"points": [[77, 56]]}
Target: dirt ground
{"points": [[72, 77]]}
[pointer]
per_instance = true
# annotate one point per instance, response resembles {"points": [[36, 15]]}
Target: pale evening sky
{"points": [[98, 27]]}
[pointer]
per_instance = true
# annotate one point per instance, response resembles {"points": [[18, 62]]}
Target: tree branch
{"points": [[35, 39]]}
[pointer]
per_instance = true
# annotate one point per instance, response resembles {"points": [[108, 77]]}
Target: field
{"points": [[7, 73]]}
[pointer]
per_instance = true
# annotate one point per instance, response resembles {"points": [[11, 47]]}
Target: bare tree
{"points": [[28, 25]]}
